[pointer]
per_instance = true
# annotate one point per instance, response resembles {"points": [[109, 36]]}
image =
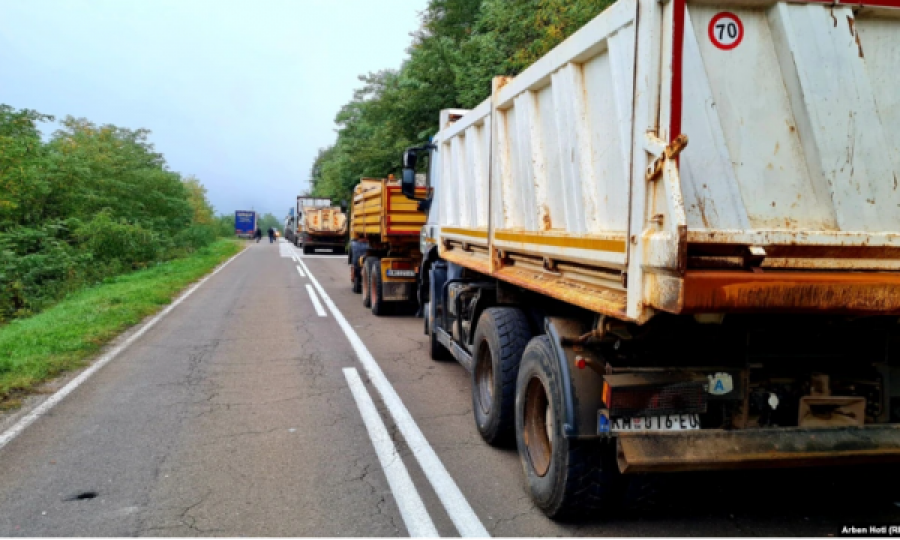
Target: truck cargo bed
{"points": [[381, 210], [704, 157]]}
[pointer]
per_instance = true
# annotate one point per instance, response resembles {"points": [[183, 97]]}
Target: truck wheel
{"points": [[366, 282], [306, 250], [500, 340], [566, 478], [378, 306]]}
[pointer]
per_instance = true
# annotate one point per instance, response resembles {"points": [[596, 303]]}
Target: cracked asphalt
{"points": [[232, 417]]}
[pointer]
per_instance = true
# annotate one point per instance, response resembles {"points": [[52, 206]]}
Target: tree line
{"points": [[90, 202], [459, 48]]}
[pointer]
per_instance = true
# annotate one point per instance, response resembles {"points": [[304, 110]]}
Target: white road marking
{"points": [[455, 503], [412, 509], [315, 300], [285, 249], [60, 394], [300, 271]]}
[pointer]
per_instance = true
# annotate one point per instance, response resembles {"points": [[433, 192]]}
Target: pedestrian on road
{"points": [[258, 235], [271, 235]]}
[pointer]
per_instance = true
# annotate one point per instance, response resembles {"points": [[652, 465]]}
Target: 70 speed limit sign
{"points": [[726, 30]]}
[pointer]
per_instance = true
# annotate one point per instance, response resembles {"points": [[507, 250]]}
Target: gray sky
{"points": [[240, 93]]}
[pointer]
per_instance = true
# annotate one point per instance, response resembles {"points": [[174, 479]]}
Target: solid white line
{"points": [[412, 509], [300, 271], [455, 503], [315, 301], [60, 394]]}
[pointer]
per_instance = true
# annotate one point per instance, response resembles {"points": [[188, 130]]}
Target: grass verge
{"points": [[64, 337]]}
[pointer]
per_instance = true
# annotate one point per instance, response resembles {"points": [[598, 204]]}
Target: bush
{"points": [[91, 203]]}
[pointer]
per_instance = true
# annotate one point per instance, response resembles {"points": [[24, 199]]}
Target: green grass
{"points": [[64, 337]]}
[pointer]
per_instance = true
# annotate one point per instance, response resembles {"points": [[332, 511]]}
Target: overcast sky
{"points": [[240, 93]]}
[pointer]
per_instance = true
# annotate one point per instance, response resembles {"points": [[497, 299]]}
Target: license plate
{"points": [[671, 422], [401, 273]]}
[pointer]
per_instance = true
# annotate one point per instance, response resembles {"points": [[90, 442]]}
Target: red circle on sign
{"points": [[726, 31]]}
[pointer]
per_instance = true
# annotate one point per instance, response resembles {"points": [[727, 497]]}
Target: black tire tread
{"points": [[367, 289], [513, 333], [591, 484], [356, 287], [379, 308]]}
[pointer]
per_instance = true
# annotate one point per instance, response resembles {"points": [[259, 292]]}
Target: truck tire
{"points": [[366, 282], [566, 478], [306, 250], [500, 339], [379, 307]]}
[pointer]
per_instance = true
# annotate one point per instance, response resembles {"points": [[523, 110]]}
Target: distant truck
{"points": [[320, 225], [244, 223], [288, 229], [673, 244], [384, 251], [294, 223]]}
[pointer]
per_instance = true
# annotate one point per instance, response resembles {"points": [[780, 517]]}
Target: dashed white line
{"points": [[412, 509], [315, 301], [300, 271], [464, 518], [60, 394]]}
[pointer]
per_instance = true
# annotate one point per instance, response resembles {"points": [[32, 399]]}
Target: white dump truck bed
{"points": [[572, 180]]}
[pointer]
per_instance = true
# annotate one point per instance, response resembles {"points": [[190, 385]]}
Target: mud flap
{"points": [[582, 388]]}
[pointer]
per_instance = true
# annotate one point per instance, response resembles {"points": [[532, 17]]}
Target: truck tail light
{"points": [[676, 398]]}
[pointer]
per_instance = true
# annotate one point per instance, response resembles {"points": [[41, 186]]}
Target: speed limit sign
{"points": [[726, 30]]}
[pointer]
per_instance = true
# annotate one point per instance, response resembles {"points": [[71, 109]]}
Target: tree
{"points": [[196, 195], [266, 221], [92, 202], [460, 47]]}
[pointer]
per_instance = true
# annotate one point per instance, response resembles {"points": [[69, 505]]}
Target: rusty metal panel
{"points": [[597, 298], [836, 292]]}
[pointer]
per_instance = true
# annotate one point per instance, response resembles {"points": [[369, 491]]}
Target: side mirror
{"points": [[408, 182], [409, 159]]}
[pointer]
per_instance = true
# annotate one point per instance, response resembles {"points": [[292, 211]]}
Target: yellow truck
{"points": [[384, 249]]}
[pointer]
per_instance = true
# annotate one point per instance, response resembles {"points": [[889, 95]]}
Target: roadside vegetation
{"points": [[460, 47], [63, 337], [96, 232], [85, 204]]}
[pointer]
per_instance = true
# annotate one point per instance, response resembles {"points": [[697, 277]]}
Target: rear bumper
{"points": [[760, 448], [394, 291], [324, 240]]}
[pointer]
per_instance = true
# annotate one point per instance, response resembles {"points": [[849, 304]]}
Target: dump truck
{"points": [[320, 225], [384, 254], [673, 244]]}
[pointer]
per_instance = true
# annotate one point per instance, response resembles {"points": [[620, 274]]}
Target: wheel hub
{"points": [[484, 377], [538, 426]]}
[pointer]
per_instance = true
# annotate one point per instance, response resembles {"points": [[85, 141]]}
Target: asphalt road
{"points": [[241, 413]]}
